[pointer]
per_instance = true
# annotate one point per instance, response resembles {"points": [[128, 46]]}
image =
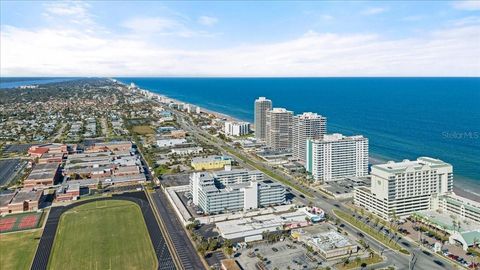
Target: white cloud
{"points": [[161, 26], [54, 52], [207, 20], [413, 18], [70, 11], [470, 5], [374, 11], [471, 20], [326, 17]]}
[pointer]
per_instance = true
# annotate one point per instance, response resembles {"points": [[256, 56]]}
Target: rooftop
{"points": [[210, 159], [336, 137], [5, 198], [323, 237], [27, 195], [309, 115], [445, 220], [421, 162]]}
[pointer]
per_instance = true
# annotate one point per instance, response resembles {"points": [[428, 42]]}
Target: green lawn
{"points": [[143, 130], [103, 235], [17, 249]]}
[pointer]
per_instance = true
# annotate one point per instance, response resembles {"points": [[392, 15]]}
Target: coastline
{"points": [[373, 159]]}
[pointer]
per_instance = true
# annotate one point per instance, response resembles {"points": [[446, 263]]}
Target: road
{"points": [[400, 261], [182, 245]]}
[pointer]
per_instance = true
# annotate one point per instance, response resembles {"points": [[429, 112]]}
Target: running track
{"points": [[165, 261]]}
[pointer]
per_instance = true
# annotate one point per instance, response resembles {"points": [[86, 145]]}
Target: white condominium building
{"points": [[237, 128], [262, 106], [306, 126], [401, 188], [336, 157], [279, 129], [241, 189]]}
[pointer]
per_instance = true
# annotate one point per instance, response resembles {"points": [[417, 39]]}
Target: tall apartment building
{"points": [[279, 129], [336, 156], [236, 128], [233, 190], [306, 126], [402, 188], [262, 106]]}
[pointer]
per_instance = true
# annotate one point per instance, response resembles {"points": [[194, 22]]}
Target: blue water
{"points": [[12, 82], [404, 118]]}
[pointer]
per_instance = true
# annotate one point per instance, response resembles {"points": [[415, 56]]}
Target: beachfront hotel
{"points": [[306, 126], [262, 106], [233, 190], [336, 157], [279, 129], [402, 188], [236, 128]]}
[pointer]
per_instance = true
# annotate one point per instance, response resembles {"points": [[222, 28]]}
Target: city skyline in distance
{"points": [[244, 39]]}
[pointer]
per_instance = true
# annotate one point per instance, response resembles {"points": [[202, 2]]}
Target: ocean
{"points": [[12, 82], [403, 118]]}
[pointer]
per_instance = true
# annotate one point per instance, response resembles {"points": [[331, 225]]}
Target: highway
{"points": [[417, 259], [176, 237], [183, 247]]}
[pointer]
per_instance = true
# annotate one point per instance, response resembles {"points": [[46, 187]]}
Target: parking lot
{"points": [[16, 148], [280, 255], [175, 180], [9, 168], [452, 251]]}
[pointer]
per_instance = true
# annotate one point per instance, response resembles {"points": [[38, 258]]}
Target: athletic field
{"points": [[108, 234], [17, 249]]}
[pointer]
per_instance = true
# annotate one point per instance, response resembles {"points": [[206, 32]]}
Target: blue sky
{"points": [[147, 38]]}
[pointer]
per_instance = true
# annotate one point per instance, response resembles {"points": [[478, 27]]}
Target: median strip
{"points": [[370, 231]]}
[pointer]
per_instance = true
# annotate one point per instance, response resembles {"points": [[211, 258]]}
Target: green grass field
{"points": [[103, 235], [17, 249], [143, 130]]}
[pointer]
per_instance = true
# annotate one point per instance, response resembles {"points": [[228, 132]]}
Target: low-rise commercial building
{"points": [[325, 240], [51, 158], [113, 146], [252, 228], [170, 142], [186, 151], [53, 148], [68, 193], [42, 175], [22, 200], [210, 162]]}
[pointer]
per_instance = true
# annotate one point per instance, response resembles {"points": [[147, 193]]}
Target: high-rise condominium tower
{"points": [[262, 105], [279, 129], [306, 126], [336, 156]]}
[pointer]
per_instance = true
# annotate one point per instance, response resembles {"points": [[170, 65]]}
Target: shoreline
{"points": [[373, 158]]}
